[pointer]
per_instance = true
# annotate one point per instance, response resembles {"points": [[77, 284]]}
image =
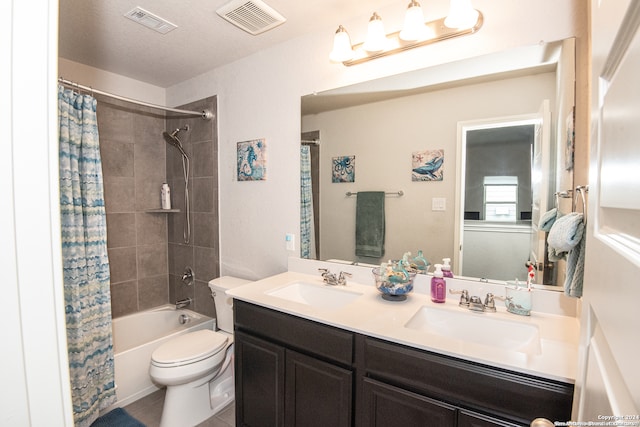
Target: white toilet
{"points": [[197, 367]]}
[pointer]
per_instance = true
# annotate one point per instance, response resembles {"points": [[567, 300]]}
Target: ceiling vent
{"points": [[149, 20], [252, 16]]}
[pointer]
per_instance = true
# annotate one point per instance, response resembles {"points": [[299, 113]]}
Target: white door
{"points": [[609, 383], [540, 186]]}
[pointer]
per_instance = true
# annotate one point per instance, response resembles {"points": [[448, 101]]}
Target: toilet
{"points": [[197, 367]]}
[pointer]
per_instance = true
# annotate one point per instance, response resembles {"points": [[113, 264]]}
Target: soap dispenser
{"points": [[420, 262], [446, 268], [438, 286]]}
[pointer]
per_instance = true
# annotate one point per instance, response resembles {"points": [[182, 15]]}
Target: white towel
{"points": [[548, 219], [566, 232]]}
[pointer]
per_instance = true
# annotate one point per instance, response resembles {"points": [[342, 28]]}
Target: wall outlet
{"points": [[438, 204], [290, 240]]}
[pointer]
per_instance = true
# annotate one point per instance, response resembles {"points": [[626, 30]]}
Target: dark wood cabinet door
{"points": [[317, 394], [472, 419], [259, 379], [388, 406]]}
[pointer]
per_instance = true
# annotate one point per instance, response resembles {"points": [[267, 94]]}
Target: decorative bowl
{"points": [[392, 291]]}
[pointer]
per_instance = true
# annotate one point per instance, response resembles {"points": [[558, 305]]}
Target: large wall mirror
{"points": [[481, 121]]}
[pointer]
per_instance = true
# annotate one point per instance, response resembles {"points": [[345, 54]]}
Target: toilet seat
{"points": [[189, 348]]}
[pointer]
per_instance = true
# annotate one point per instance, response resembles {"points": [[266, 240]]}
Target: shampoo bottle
{"points": [[165, 196], [438, 286], [446, 268]]}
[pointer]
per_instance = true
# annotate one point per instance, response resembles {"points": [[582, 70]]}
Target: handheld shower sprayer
{"points": [[172, 139]]}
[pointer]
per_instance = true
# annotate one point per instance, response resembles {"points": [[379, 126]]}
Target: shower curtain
{"points": [[84, 256], [307, 235]]}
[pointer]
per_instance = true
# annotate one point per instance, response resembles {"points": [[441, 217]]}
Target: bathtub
{"points": [[136, 336]]}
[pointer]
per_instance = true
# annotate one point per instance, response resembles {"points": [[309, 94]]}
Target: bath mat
{"points": [[117, 418]]}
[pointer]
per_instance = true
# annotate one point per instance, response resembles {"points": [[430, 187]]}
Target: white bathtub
{"points": [[136, 336]]}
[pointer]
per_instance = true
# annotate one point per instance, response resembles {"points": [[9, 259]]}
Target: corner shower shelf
{"points": [[162, 210]]}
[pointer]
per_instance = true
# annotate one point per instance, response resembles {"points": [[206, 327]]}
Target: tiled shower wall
{"points": [[146, 251], [202, 252]]}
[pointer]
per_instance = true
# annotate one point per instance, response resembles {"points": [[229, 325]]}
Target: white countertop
{"points": [[370, 315]]}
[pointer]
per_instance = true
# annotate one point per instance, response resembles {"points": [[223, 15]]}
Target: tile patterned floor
{"points": [[149, 409]]}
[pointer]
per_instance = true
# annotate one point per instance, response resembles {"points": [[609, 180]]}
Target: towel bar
{"points": [[398, 193]]}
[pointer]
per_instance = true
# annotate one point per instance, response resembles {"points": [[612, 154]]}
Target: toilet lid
{"points": [[190, 347]]}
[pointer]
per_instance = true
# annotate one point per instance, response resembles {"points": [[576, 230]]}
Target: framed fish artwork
{"points": [[427, 165]]}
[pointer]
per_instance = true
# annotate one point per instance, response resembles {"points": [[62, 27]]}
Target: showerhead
{"points": [[172, 139]]}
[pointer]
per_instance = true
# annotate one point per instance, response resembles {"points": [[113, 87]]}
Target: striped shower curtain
{"points": [[307, 234], [84, 256]]}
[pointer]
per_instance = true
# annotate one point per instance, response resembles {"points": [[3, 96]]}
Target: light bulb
{"points": [[414, 26], [376, 37], [461, 14], [342, 50]]}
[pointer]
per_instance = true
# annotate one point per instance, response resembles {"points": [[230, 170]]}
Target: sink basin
{"points": [[318, 296], [478, 328]]}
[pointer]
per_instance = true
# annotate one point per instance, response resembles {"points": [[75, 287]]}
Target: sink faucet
{"points": [[474, 303], [182, 303], [330, 278]]}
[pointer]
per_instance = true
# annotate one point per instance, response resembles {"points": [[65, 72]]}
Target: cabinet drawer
{"points": [[303, 335], [506, 394]]}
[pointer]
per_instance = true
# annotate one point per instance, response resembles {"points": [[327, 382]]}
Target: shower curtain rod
{"points": [[205, 114]]}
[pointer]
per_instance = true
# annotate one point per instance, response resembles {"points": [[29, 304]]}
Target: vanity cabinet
{"points": [[290, 371], [295, 372]]}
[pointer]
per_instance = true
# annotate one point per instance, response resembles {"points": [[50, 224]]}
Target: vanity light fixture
{"points": [[462, 19]]}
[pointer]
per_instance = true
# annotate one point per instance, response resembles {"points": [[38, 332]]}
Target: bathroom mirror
{"points": [[383, 124]]}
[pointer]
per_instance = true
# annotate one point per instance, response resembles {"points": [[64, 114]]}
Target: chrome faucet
{"points": [[475, 303], [330, 278], [182, 303], [464, 297], [188, 276]]}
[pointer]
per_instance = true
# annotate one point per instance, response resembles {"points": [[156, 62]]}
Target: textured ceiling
{"points": [[95, 33]]}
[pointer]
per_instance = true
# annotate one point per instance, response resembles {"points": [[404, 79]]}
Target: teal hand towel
{"points": [[575, 270], [370, 224]]}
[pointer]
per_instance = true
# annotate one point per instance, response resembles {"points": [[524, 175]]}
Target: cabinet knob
{"points": [[541, 422]]}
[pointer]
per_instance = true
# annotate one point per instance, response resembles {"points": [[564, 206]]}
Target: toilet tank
{"points": [[224, 303]]}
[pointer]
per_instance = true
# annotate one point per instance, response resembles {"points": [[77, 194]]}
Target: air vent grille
{"points": [[149, 20], [252, 16]]}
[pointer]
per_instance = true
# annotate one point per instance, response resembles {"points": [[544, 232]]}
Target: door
{"points": [[317, 393], [609, 378], [540, 185], [511, 244], [388, 406], [259, 372]]}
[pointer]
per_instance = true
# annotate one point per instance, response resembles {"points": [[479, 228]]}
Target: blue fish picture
{"points": [[427, 165]]}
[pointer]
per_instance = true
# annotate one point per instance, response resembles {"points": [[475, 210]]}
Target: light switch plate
{"points": [[290, 240], [438, 204]]}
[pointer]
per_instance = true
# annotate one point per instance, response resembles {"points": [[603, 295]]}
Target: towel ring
{"points": [[564, 194], [581, 189]]}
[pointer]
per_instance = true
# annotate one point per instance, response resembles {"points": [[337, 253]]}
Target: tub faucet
{"points": [[182, 303]]}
